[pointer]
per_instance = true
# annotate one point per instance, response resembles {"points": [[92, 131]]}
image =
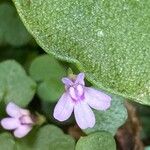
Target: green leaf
{"points": [[23, 55], [147, 148], [111, 119], [96, 141], [50, 90], [108, 40], [47, 71], [12, 30], [45, 67], [2, 89], [16, 85], [6, 142], [48, 137]]}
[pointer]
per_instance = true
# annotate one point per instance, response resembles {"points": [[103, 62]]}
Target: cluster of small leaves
{"points": [[46, 69], [45, 138]]}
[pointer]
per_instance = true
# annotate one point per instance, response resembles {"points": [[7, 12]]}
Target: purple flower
{"points": [[20, 120], [79, 98]]}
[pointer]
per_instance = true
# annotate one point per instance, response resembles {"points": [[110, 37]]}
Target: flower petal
{"points": [[26, 120], [13, 110], [96, 99], [63, 108], [80, 79], [22, 131], [67, 82], [25, 112], [84, 115], [10, 123]]}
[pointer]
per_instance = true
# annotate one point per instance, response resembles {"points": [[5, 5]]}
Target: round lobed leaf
{"points": [[96, 141], [18, 87], [48, 137], [111, 119], [50, 90], [45, 67], [47, 71]]}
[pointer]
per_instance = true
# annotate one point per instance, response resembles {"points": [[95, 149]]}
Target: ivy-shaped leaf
{"points": [[108, 40], [111, 119], [97, 141], [47, 71], [12, 30], [46, 138], [16, 85]]}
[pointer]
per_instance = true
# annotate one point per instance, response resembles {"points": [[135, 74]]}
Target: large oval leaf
{"points": [[109, 40]]}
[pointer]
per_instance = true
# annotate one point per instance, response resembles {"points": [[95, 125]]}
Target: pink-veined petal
{"points": [[84, 115], [80, 79], [67, 82], [72, 93], [24, 112], [26, 120], [63, 108], [22, 131], [96, 99], [10, 123], [13, 110]]}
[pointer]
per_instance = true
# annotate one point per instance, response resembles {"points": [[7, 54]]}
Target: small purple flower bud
{"points": [[20, 120], [79, 98]]}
